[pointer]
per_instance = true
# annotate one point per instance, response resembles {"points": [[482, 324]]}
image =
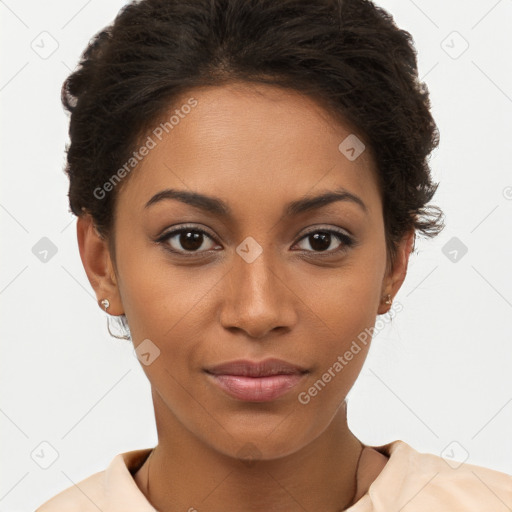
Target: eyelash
{"points": [[346, 241]]}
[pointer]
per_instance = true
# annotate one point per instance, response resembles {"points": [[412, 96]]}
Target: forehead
{"points": [[248, 143]]}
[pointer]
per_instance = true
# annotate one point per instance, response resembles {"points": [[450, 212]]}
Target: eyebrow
{"points": [[218, 207]]}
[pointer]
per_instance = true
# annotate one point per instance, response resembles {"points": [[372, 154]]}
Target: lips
{"points": [[256, 381], [266, 368]]}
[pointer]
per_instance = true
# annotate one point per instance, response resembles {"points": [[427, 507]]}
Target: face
{"points": [[252, 271]]}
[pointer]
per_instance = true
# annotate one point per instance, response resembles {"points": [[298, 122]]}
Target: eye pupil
{"points": [[191, 240], [321, 241]]}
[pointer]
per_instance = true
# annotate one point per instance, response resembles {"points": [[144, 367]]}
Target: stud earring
{"points": [[106, 304], [388, 299]]}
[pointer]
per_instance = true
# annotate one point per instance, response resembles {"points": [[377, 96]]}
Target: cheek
{"points": [[348, 299], [345, 307], [158, 297], [343, 340]]}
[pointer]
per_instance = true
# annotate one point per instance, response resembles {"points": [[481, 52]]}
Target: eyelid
{"points": [[346, 238], [329, 229], [173, 230], [176, 230]]}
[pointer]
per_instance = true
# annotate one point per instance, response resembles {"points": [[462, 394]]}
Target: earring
{"points": [[106, 304], [388, 299]]}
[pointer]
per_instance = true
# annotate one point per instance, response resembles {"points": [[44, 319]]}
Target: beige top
{"points": [[409, 481]]}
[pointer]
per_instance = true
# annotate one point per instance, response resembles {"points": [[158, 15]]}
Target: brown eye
{"points": [[323, 241], [187, 240]]}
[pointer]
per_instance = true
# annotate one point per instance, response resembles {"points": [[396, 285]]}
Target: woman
{"points": [[249, 177]]}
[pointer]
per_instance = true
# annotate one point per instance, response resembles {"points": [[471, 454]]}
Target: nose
{"points": [[257, 299]]}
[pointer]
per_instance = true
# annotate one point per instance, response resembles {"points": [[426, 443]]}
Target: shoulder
{"points": [[414, 481], [111, 490], [86, 495]]}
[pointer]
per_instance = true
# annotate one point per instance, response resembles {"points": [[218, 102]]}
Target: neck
{"points": [[186, 474]]}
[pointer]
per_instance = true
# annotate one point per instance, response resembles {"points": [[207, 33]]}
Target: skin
{"points": [[257, 148]]}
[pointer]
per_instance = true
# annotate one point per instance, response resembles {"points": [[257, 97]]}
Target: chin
{"points": [[263, 441]]}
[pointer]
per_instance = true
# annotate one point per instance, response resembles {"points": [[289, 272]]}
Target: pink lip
{"points": [[256, 381]]}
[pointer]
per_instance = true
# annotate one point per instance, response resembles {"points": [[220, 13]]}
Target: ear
{"points": [[97, 263], [395, 276]]}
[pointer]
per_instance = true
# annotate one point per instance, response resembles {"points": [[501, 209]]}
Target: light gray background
{"points": [[441, 372]]}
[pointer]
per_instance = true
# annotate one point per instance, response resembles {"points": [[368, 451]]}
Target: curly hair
{"points": [[347, 55]]}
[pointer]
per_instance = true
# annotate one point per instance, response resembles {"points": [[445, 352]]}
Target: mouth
{"points": [[256, 381]]}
